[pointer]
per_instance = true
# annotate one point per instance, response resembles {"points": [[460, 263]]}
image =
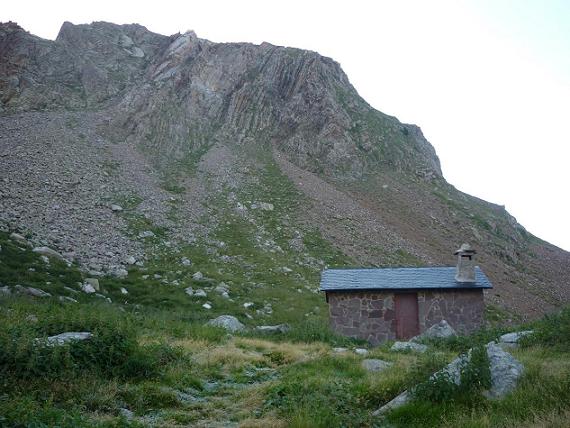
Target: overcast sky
{"points": [[488, 81]]}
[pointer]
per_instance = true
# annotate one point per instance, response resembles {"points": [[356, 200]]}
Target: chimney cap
{"points": [[465, 249]]}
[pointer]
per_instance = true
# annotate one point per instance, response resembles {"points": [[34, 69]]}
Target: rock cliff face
{"points": [[115, 113], [176, 95]]}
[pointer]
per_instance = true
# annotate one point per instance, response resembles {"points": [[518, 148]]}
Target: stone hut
{"points": [[382, 304]]}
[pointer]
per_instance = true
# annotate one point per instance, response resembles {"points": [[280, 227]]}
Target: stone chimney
{"points": [[465, 264]]}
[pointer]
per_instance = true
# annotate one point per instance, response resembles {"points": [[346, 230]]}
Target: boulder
{"points": [[31, 291], [189, 291], [361, 351], [207, 306], [131, 260], [227, 322], [505, 371], [120, 273], [146, 234], [185, 261], [440, 330], [375, 365], [19, 238], [48, 252], [116, 208], [399, 401], [514, 338], [408, 346], [198, 276], [124, 290], [63, 338], [279, 328]]}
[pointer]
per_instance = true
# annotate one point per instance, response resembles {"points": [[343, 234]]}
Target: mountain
{"points": [[124, 147]]}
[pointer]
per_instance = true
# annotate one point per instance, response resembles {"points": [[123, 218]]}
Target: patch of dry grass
{"points": [[283, 352]]}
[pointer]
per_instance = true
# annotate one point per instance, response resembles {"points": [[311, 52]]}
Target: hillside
{"points": [[189, 136]]}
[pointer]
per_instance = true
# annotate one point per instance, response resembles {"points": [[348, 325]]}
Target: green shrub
{"points": [[113, 351], [552, 331], [475, 376]]}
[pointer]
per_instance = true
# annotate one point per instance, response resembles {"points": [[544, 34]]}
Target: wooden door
{"points": [[407, 322]]}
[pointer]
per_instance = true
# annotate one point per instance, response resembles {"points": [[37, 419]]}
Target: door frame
{"points": [[399, 315]]}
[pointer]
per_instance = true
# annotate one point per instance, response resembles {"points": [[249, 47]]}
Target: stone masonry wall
{"points": [[371, 315], [363, 315], [462, 309]]}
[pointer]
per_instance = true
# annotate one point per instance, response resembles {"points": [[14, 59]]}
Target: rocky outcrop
{"points": [[505, 372]]}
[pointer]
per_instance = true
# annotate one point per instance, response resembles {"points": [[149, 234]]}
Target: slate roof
{"points": [[398, 279]]}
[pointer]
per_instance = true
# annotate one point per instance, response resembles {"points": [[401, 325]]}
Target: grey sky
{"points": [[487, 81]]}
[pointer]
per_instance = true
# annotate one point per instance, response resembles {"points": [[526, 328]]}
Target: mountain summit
{"points": [[120, 145]]}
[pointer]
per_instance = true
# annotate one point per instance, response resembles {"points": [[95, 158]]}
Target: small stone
{"points": [[189, 291], [339, 350], [200, 293], [94, 282], [32, 318], [126, 413], [185, 261], [279, 328], [131, 260], [375, 365], [44, 259], [116, 208], [440, 330], [408, 346], [248, 305], [103, 297], [198, 276], [88, 288], [361, 351], [207, 306], [146, 234], [124, 290], [221, 288]]}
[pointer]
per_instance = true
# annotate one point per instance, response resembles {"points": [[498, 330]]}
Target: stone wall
{"points": [[462, 309], [371, 315], [363, 315]]}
